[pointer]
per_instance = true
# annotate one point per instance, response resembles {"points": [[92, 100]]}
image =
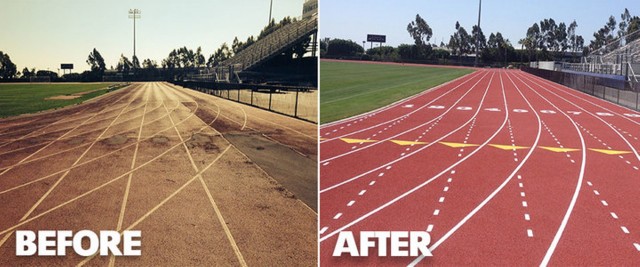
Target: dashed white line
{"points": [[381, 174], [372, 183], [436, 212], [637, 246], [529, 233], [527, 217], [441, 199], [324, 229], [524, 204], [604, 203], [446, 188], [362, 192], [624, 229], [337, 216], [430, 228], [614, 215]]}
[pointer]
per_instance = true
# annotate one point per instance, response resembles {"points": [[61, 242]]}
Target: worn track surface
{"points": [[153, 157]]}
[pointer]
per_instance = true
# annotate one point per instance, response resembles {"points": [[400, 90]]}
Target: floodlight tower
{"points": [[134, 14], [475, 64]]}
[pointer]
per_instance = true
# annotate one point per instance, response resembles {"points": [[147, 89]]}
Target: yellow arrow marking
{"points": [[610, 152], [457, 145], [508, 147], [352, 141], [406, 143], [559, 149]]}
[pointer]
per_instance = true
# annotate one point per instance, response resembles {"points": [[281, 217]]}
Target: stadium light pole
{"points": [[134, 14], [478, 35], [270, 9]]}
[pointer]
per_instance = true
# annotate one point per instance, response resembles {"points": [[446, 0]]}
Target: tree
{"points": [[478, 38], [26, 73], [135, 63], [460, 42], [7, 68], [571, 36], [124, 65], [340, 47], [420, 31], [199, 58], [96, 62], [625, 20]]}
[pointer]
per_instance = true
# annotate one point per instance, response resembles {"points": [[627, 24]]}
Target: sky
{"points": [[42, 34], [354, 19]]}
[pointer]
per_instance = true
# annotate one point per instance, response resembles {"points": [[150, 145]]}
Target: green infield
{"points": [[348, 89], [16, 99]]}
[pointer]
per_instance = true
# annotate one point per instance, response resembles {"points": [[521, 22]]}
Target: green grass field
{"points": [[16, 99], [348, 89]]}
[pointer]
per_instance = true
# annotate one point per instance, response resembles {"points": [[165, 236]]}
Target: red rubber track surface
{"points": [[519, 182]]}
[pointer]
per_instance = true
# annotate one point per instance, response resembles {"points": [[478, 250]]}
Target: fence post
{"points": [[252, 97], [238, 94], [295, 110], [618, 100], [270, 96]]}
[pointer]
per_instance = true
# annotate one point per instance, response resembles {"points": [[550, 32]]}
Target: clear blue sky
{"points": [[45, 33], [354, 19]]}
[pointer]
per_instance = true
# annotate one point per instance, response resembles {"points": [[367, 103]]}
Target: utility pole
{"points": [[478, 35], [134, 14], [270, 9]]}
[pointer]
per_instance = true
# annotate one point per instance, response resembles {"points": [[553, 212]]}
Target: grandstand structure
{"points": [[620, 57], [268, 47]]}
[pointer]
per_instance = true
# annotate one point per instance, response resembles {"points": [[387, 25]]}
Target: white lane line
{"points": [[436, 212], [624, 229], [446, 188], [423, 184], [576, 193], [522, 194], [337, 216], [507, 180], [381, 174], [351, 203], [326, 163], [520, 185], [614, 215], [589, 183], [635, 152], [372, 183], [596, 192], [524, 204], [529, 233], [604, 203], [362, 192], [416, 110], [324, 229], [637, 246], [441, 199], [527, 217], [449, 180], [388, 167], [430, 228]]}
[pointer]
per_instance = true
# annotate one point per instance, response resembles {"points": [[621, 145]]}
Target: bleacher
{"points": [[268, 47], [619, 57]]}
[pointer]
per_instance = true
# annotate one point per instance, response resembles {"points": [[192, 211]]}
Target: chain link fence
{"points": [[607, 87]]}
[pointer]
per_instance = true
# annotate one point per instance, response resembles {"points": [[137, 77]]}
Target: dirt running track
{"points": [[500, 166], [155, 158]]}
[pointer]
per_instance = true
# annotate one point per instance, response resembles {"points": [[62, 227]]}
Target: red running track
{"points": [[500, 166]]}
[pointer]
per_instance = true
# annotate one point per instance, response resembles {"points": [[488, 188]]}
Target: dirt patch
{"points": [[63, 97], [203, 141], [75, 141], [116, 140], [159, 139]]}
